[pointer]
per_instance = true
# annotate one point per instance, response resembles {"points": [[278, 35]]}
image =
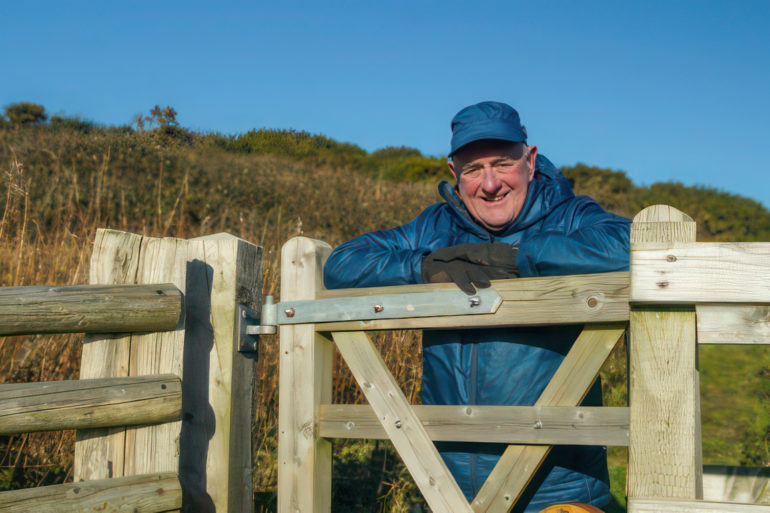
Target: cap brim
{"points": [[491, 130]]}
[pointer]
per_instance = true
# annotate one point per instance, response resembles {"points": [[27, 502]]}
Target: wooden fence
{"points": [[164, 412], [163, 408], [677, 294]]}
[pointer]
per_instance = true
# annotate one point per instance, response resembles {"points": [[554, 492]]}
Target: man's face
{"points": [[493, 177]]}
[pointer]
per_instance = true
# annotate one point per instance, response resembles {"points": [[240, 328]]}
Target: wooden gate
{"points": [[671, 277]]}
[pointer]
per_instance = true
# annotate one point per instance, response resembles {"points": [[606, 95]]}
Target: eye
{"points": [[506, 166], [471, 171]]}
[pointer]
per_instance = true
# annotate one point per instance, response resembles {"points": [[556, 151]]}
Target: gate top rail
{"points": [[573, 299], [720, 279]]}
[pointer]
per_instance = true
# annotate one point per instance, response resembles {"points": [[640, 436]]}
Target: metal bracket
{"points": [[249, 329], [386, 306]]}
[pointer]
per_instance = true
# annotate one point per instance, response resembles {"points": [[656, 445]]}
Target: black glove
{"points": [[470, 264]]}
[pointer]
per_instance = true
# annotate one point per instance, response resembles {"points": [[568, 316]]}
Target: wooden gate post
{"points": [[210, 447], [665, 443], [304, 459]]}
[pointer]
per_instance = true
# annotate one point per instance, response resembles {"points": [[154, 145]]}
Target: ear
{"points": [[531, 161], [452, 169]]}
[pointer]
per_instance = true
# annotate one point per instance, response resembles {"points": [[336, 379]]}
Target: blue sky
{"points": [[662, 90]]}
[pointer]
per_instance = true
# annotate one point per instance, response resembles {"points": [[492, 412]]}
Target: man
{"points": [[511, 213]]}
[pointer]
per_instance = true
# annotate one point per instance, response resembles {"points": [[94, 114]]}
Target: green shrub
{"points": [[408, 165], [25, 113], [75, 123]]}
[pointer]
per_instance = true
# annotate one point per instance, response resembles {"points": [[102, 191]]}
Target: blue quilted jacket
{"points": [[557, 233]]}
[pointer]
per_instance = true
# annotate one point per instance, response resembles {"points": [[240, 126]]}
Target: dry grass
{"points": [[59, 189]]}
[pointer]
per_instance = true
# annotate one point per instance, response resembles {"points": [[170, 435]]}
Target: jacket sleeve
{"points": [[386, 257], [589, 240]]}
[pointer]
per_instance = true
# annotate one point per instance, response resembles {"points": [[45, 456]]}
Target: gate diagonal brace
{"points": [[386, 306]]}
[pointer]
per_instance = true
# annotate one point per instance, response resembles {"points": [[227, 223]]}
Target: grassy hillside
{"points": [[65, 178]]}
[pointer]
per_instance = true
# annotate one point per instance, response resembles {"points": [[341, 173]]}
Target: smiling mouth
{"points": [[496, 198]]}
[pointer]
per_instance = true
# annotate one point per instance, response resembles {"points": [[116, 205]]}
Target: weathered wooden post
{"points": [[665, 443], [304, 458], [210, 447]]}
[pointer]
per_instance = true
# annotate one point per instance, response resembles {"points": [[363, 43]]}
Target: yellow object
{"points": [[572, 507]]}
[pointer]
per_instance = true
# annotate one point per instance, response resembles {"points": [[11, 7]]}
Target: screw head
{"points": [[378, 308], [398, 424], [474, 300], [289, 312]]}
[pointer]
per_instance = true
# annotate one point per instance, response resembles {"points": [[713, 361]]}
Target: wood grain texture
{"points": [[665, 450], [568, 387], [155, 448], [89, 309], [550, 425], [152, 493], [91, 403], [701, 273], [684, 506], [235, 270], [306, 359], [576, 299], [211, 446], [401, 424], [662, 214], [99, 453], [733, 324], [661, 226]]}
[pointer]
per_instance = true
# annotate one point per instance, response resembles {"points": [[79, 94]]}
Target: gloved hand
{"points": [[470, 264]]}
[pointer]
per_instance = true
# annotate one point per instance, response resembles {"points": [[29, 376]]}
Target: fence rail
{"points": [[150, 493], [538, 425], [89, 403], [89, 309], [677, 294], [573, 299]]}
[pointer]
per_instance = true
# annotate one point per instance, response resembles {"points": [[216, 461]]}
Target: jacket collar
{"points": [[548, 189]]}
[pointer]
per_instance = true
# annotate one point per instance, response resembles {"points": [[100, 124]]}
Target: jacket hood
{"points": [[547, 190]]}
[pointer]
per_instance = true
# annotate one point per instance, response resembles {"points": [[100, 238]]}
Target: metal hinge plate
{"points": [[386, 306], [248, 331]]}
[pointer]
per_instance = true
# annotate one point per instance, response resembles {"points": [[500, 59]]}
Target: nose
{"points": [[490, 182]]}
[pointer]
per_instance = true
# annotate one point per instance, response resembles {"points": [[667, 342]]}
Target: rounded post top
{"points": [[662, 213]]}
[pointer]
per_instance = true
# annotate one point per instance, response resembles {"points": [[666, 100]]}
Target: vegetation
{"points": [[25, 114], [64, 178]]}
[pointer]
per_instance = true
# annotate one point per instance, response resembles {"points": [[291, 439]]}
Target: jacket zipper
{"points": [[474, 390], [472, 400]]}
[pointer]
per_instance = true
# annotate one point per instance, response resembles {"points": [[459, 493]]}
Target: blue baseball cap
{"points": [[486, 120]]}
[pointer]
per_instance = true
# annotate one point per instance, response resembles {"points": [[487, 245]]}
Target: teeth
{"points": [[496, 198]]}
